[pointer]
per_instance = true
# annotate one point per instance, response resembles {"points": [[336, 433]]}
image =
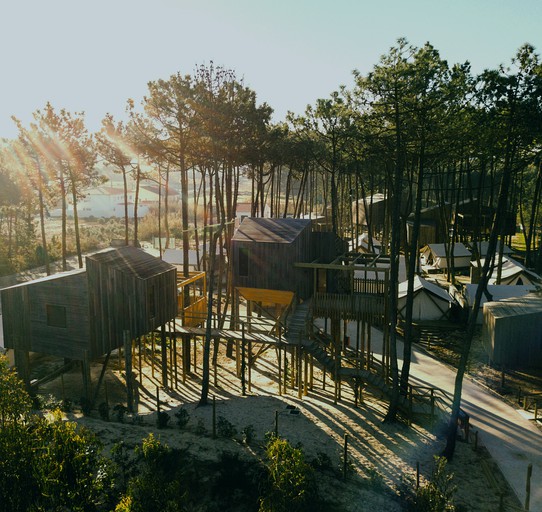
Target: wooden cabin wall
{"points": [[120, 301], [515, 341], [271, 265], [25, 316]]}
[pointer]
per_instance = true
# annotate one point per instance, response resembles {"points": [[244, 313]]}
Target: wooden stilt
{"points": [[164, 355], [279, 349], [152, 355], [249, 356], [128, 368], [306, 374]]}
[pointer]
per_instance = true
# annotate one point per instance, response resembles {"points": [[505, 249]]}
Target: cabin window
{"points": [[243, 261], [56, 316]]}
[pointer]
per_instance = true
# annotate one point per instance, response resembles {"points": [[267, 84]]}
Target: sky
{"points": [[94, 55]]}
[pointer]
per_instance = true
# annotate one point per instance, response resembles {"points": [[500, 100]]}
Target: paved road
{"points": [[512, 440]]}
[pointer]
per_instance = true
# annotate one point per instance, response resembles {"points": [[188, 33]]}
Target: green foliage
{"points": [[120, 411], [15, 403], [290, 486], [437, 495], [248, 434], [51, 465], [200, 428], [162, 419], [183, 417], [322, 462], [162, 481], [225, 428], [103, 411]]}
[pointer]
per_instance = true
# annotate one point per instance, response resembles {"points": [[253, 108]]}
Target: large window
{"points": [[243, 261], [56, 315]]}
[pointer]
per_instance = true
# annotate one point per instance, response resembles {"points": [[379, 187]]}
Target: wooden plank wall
{"points": [[25, 316]]}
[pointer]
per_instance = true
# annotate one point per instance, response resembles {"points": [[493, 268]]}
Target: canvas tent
{"points": [[434, 256], [512, 273], [497, 293], [431, 302], [482, 249]]}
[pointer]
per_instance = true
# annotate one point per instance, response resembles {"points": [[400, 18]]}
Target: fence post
{"points": [[345, 455], [528, 486]]}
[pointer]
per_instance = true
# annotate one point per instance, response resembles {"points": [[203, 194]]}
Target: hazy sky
{"points": [[93, 55]]}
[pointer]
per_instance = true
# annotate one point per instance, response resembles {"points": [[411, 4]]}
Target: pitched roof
{"points": [[440, 250], [510, 268], [528, 304], [482, 248], [282, 231], [498, 292], [132, 260], [424, 284]]}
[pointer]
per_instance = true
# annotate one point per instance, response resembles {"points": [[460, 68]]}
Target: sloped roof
{"points": [[424, 284], [282, 231], [52, 277], [510, 268], [527, 305], [482, 248], [131, 260], [498, 292], [440, 250]]}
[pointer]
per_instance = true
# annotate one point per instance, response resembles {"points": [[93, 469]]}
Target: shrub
{"points": [[120, 412], [437, 495], [162, 419], [322, 462], [200, 428], [225, 428], [103, 411], [183, 417], [290, 486], [248, 434]]}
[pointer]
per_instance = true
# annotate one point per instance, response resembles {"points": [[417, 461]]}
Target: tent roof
{"points": [[510, 268], [440, 250], [497, 291], [281, 231], [424, 284], [482, 248]]}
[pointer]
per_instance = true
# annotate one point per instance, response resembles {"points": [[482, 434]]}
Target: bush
{"points": [[120, 411], [103, 411], [225, 428], [290, 486], [183, 417], [437, 495], [162, 419], [200, 428], [322, 462], [248, 434]]}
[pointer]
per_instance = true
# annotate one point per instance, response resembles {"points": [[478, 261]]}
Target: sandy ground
{"points": [[384, 456]]}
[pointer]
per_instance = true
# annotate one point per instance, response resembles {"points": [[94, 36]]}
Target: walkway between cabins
{"points": [[512, 440]]}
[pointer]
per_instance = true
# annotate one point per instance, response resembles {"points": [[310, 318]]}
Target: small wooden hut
{"points": [[85, 314], [433, 256], [513, 331], [264, 252]]}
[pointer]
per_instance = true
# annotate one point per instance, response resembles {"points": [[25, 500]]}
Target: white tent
{"points": [[431, 302], [434, 256], [482, 249], [512, 273], [497, 294]]}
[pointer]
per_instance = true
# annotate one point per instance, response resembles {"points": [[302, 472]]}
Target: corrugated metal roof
{"points": [[282, 231], [133, 261]]}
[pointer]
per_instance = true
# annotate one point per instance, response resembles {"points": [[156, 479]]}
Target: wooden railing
{"points": [[370, 286], [350, 307]]}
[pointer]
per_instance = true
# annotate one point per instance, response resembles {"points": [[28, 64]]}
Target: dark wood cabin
{"points": [[513, 331], [433, 228], [264, 252], [82, 314], [371, 211], [474, 220]]}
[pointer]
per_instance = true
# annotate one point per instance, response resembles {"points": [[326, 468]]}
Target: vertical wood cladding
{"points": [[114, 294]]}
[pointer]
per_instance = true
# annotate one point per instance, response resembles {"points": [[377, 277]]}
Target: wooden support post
{"points": [[306, 374], [128, 370], [175, 366], [139, 358], [276, 424], [280, 366], [214, 417], [528, 487], [409, 405], [299, 370], [237, 358], [285, 377], [87, 382], [345, 456], [292, 367], [164, 355], [250, 366], [311, 372], [152, 355], [243, 383], [195, 355], [368, 344], [417, 474]]}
